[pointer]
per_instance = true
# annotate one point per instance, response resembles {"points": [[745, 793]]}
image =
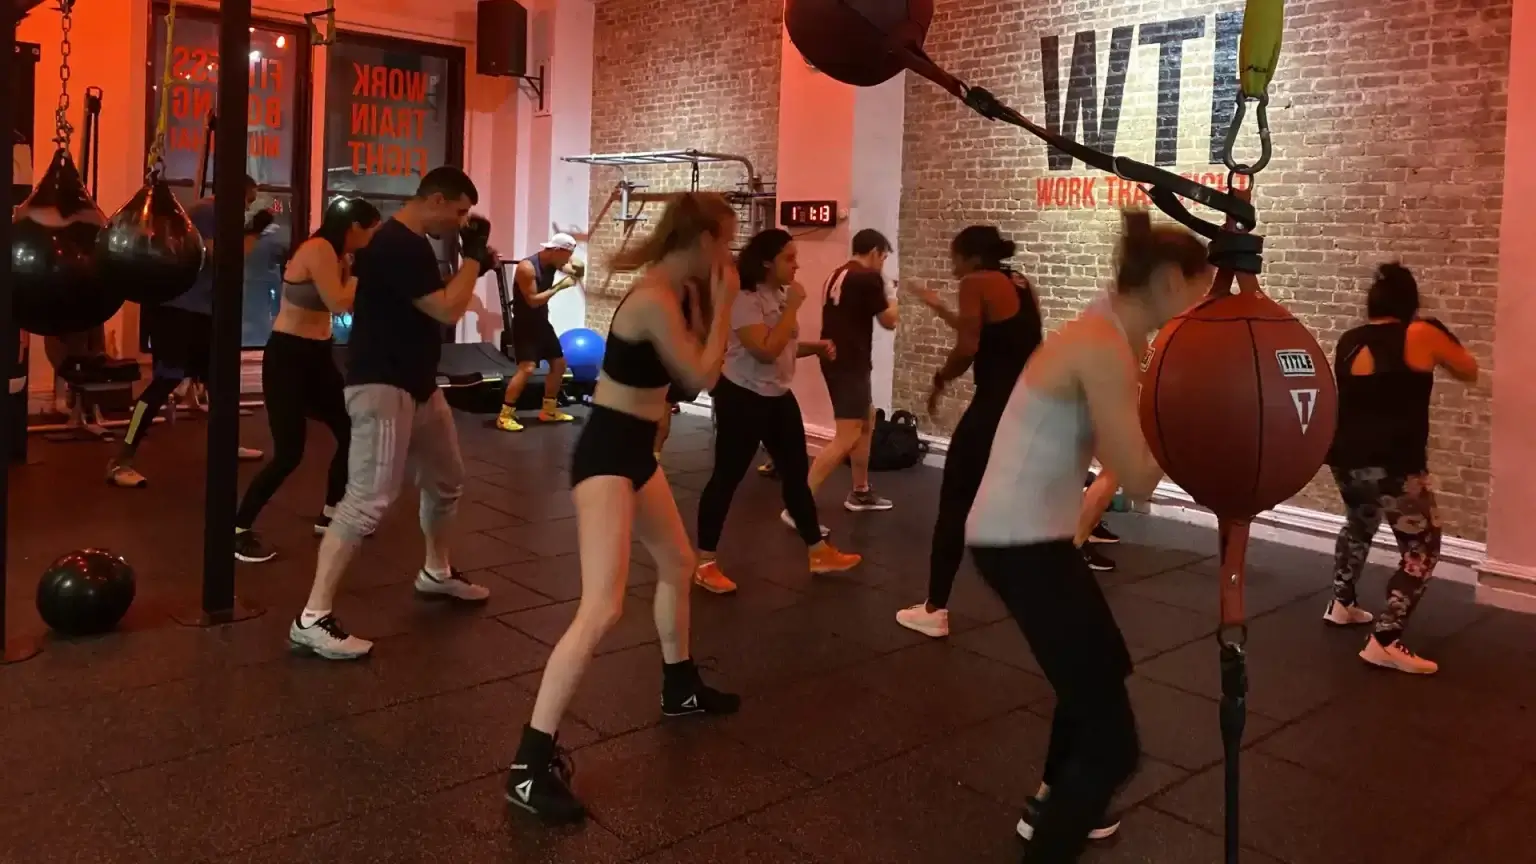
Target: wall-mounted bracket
{"points": [[537, 83], [316, 36]]}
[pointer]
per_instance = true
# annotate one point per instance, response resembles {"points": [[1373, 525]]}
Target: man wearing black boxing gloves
{"points": [[401, 425], [1386, 372]]}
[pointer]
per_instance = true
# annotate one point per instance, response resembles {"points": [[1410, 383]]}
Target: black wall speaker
{"points": [[501, 38]]}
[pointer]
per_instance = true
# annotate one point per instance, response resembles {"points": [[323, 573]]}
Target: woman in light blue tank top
{"points": [[1077, 399]]}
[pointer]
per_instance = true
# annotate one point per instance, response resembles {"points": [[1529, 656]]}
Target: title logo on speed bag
{"points": [[1306, 403], [1295, 363]]}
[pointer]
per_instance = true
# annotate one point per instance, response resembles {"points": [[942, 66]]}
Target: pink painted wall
{"points": [[815, 162], [1511, 543]]}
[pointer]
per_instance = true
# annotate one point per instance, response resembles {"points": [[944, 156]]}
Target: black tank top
{"points": [[636, 363], [1005, 347], [1383, 417], [543, 279]]}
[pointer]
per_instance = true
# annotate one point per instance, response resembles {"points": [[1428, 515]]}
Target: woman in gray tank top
{"points": [[299, 377], [1077, 400]]}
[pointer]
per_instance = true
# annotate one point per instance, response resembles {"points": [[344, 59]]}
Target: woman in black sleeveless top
{"points": [[996, 327], [1386, 373]]}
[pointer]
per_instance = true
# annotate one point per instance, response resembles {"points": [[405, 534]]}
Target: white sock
{"points": [[328, 511], [442, 575], [308, 617]]}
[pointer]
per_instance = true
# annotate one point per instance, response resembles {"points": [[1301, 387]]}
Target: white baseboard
{"points": [[1506, 585], [1460, 559]]}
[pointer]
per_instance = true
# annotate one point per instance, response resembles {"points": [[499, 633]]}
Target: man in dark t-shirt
{"points": [[401, 424], [856, 298]]}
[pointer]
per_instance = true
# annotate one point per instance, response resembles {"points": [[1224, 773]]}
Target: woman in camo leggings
{"points": [[1386, 372]]}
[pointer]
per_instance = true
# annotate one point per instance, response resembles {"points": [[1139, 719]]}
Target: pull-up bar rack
{"points": [[752, 194]]}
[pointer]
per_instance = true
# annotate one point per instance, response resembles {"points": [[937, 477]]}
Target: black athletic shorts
{"points": [[614, 444], [849, 389], [180, 342], [535, 342]]}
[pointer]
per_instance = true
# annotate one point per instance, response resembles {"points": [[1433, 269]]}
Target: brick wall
{"points": [[1388, 123], [701, 75]]}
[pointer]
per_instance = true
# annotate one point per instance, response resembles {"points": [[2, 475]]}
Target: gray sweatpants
{"points": [[394, 438]]}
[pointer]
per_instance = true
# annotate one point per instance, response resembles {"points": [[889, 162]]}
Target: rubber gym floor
{"points": [[858, 742]]}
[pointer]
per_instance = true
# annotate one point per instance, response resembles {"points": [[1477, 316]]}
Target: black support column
{"points": [[219, 604]]}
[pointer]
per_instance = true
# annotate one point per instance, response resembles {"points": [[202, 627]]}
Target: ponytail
{"points": [[687, 218]]}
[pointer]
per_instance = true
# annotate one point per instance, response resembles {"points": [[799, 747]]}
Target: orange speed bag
{"points": [[1238, 402]]}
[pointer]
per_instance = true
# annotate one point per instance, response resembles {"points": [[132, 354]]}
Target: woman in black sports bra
{"points": [[665, 331], [299, 377], [996, 328]]}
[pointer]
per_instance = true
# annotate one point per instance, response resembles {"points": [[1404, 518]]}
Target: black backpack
{"points": [[895, 445]]}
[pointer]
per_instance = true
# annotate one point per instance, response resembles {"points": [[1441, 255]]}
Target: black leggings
{"points": [[743, 419], [964, 464], [1094, 748], [150, 403], [299, 380]]}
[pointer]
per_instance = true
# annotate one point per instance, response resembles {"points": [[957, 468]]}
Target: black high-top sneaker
{"points": [[683, 692], [539, 780]]}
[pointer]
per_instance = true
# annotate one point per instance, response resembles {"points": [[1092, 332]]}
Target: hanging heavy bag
{"points": [[149, 250], [56, 288], [895, 445], [57, 285]]}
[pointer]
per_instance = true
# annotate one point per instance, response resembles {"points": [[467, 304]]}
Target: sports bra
{"points": [[304, 295], [635, 363]]}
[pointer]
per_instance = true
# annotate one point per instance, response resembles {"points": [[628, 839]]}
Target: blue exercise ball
{"points": [[583, 353]]}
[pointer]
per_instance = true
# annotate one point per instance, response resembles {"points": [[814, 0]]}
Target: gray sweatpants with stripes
{"points": [[395, 438]]}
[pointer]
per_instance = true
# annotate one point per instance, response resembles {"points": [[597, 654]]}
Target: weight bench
{"points": [[90, 381]]}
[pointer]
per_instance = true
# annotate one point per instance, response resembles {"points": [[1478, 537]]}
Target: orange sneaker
{"points": [[709, 577], [827, 559]]}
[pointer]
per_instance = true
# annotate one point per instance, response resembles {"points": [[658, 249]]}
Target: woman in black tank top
{"points": [[1379, 458], [618, 488], [997, 327]]}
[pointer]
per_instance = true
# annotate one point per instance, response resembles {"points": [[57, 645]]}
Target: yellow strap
{"points": [[157, 147], [1259, 52]]}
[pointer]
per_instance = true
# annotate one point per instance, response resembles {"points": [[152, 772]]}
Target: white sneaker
{"points": [[1346, 616], [935, 623], [789, 522], [1395, 656], [455, 587], [326, 638]]}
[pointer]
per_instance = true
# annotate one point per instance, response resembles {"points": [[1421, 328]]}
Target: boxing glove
{"points": [[475, 240], [261, 221], [577, 269], [1440, 325]]}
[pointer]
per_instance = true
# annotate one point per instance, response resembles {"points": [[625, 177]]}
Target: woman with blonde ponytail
{"points": [[667, 330]]}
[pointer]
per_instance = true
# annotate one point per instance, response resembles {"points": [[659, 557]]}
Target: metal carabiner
{"points": [[1230, 144]]}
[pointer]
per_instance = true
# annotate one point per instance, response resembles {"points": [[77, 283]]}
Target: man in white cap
{"points": [[533, 337]]}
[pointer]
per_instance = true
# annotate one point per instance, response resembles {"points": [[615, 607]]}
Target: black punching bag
{"points": [[57, 288], [149, 250], [852, 40]]}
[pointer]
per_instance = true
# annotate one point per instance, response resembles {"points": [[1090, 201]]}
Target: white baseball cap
{"points": [[561, 241]]}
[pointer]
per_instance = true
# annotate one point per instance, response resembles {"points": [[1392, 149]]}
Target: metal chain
{"points": [[63, 131]]}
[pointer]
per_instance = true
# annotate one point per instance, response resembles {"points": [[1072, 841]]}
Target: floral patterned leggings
{"points": [[1407, 503]]}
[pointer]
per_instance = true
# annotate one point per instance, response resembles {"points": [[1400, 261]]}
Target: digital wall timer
{"points": [[808, 214]]}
